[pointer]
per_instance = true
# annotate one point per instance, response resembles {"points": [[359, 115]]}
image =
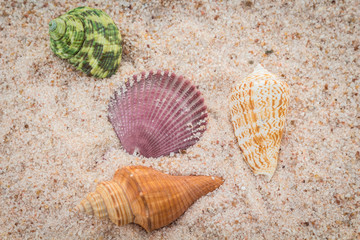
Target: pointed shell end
{"points": [[268, 175], [84, 207], [52, 25], [258, 67], [79, 208]]}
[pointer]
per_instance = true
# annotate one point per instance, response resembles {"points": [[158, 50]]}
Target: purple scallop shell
{"points": [[156, 114]]}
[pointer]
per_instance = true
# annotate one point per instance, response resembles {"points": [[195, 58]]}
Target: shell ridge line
{"points": [[179, 200], [164, 129], [162, 115], [171, 96], [152, 86], [182, 200], [125, 112], [193, 127], [79, 58], [161, 94], [145, 109], [82, 42], [129, 111], [165, 196], [142, 107], [88, 59], [159, 83], [109, 190], [134, 111], [165, 96], [128, 202], [135, 105], [114, 114], [119, 115], [173, 113], [184, 135], [64, 32], [136, 182]]}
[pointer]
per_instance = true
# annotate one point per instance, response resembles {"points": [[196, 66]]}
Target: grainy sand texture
{"points": [[57, 143]]}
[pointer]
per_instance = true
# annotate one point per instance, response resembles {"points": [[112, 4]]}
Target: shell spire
{"points": [[258, 107], [146, 197], [89, 39], [155, 114]]}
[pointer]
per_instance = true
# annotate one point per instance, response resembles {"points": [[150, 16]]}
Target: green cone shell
{"points": [[89, 39]]}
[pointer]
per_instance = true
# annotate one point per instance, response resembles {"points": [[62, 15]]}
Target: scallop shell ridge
{"points": [[155, 114], [258, 107], [89, 39]]}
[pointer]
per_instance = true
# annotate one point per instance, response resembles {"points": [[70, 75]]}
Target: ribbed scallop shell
{"points": [[89, 39], [258, 110], [157, 114], [146, 197]]}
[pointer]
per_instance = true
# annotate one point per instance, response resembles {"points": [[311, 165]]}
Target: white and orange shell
{"points": [[258, 107], [146, 197]]}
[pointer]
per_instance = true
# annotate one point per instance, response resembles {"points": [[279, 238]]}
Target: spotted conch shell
{"points": [[146, 197], [258, 110]]}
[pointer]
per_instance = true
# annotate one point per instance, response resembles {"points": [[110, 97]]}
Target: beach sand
{"points": [[57, 143]]}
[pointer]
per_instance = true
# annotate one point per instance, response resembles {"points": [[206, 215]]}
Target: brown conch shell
{"points": [[258, 110], [145, 196]]}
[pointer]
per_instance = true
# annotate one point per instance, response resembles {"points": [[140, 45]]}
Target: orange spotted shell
{"points": [[258, 107]]}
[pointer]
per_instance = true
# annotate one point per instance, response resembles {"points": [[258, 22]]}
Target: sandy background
{"points": [[57, 144]]}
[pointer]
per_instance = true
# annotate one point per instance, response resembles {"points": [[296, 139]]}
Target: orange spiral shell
{"points": [[147, 197]]}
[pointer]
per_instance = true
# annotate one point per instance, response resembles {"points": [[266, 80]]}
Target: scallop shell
{"points": [[89, 39], [258, 110], [157, 114], [146, 197]]}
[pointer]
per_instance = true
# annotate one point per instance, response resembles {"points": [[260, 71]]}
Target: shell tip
{"points": [[84, 207], [79, 208], [268, 175], [259, 67], [52, 25]]}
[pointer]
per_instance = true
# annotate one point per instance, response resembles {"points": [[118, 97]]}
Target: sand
{"points": [[57, 144]]}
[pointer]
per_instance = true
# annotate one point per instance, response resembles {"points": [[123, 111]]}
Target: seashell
{"points": [[157, 114], [258, 109], [146, 197], [89, 39]]}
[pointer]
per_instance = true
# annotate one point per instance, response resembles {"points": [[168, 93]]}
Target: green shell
{"points": [[89, 39]]}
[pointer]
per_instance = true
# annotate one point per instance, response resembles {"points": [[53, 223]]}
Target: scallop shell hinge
{"points": [[89, 39], [258, 107], [146, 197]]}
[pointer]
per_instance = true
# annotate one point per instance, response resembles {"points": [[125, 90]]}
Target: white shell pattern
{"points": [[258, 107]]}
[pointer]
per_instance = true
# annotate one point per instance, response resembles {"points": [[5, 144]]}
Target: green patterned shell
{"points": [[89, 39]]}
